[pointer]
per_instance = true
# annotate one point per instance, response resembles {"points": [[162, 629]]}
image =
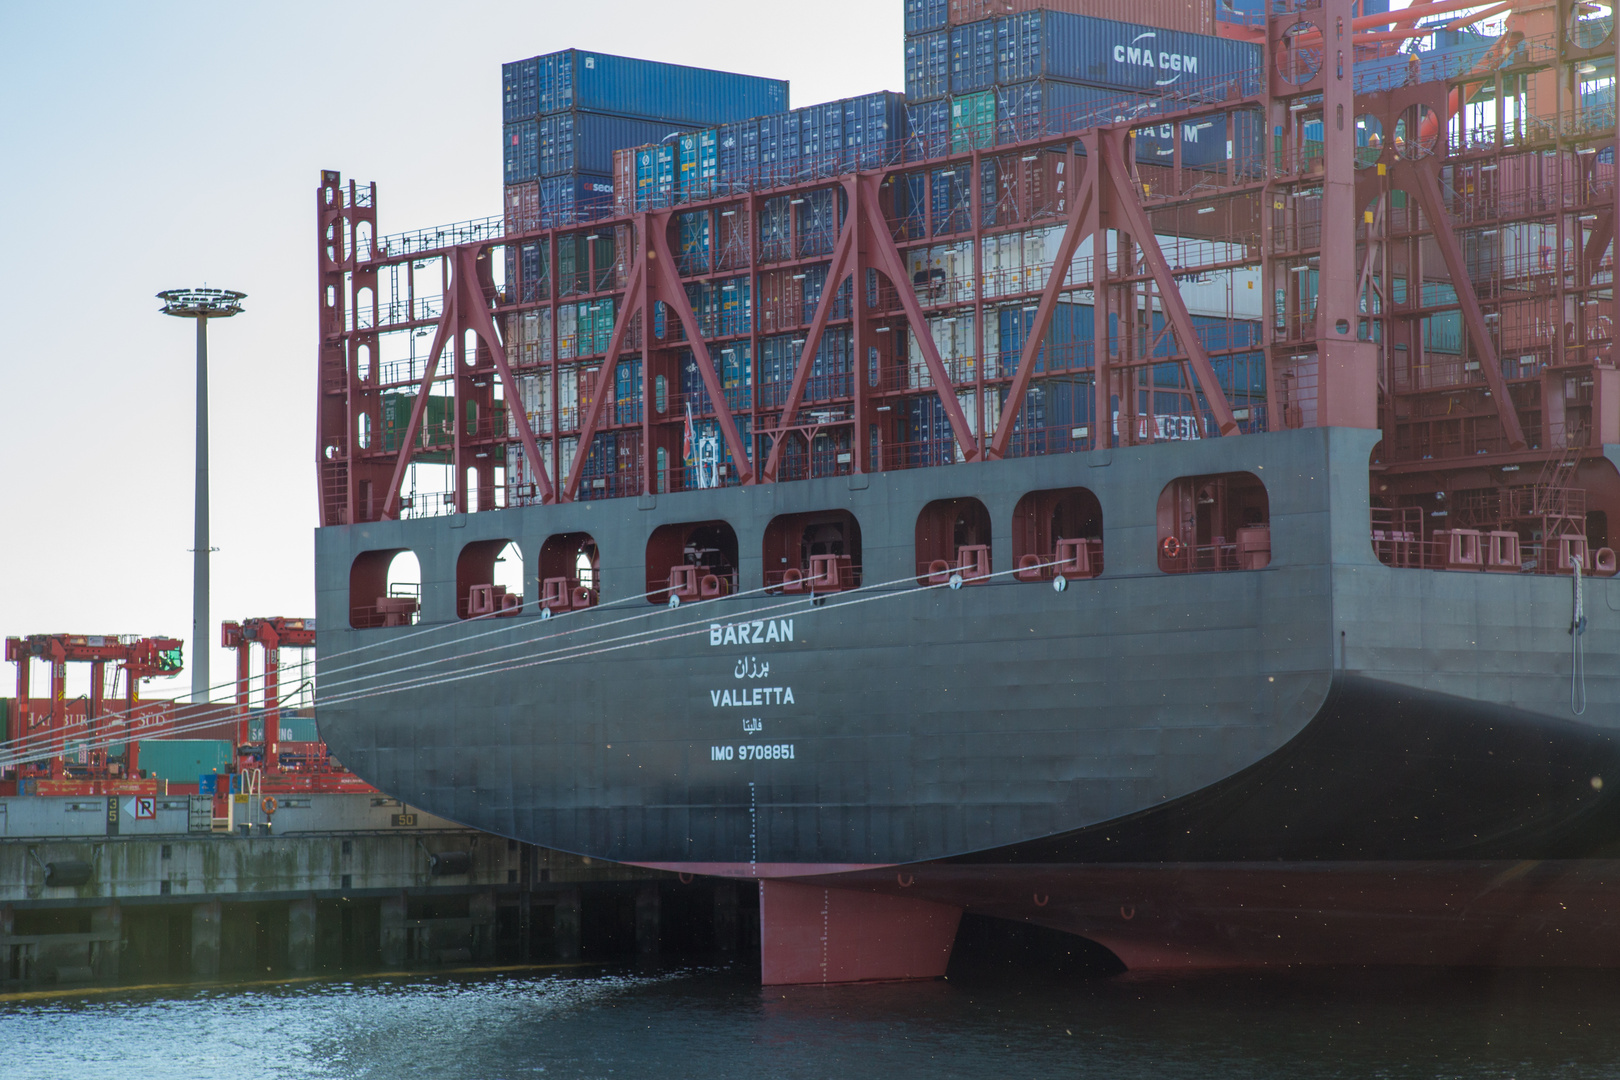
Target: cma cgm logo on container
{"points": [[1138, 55]]}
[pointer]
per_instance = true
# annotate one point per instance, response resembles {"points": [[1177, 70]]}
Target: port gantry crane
{"points": [[272, 633], [49, 726]]}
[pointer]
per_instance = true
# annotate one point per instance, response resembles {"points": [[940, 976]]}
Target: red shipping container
{"points": [[522, 207], [1191, 16], [781, 301], [624, 181]]}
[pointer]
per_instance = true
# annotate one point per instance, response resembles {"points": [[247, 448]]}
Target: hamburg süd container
{"points": [[708, 157], [583, 142], [686, 162], [696, 97]]}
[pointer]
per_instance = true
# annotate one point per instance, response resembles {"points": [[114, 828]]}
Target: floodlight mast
{"points": [[201, 305]]}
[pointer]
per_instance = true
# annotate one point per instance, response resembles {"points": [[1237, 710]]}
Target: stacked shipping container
{"points": [[830, 139], [1000, 80], [566, 113]]}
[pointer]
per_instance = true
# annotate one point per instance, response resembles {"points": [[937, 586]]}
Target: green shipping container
{"points": [[973, 121], [5, 719], [293, 729], [396, 416], [183, 759]]}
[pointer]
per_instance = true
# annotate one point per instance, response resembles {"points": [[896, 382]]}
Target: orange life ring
{"points": [[1171, 547], [268, 805]]}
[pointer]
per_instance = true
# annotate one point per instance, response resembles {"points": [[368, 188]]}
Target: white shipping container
{"points": [[567, 332], [942, 274], [957, 344], [568, 397], [522, 487], [568, 447], [535, 392]]}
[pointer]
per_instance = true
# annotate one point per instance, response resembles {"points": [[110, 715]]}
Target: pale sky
{"points": [[157, 145]]}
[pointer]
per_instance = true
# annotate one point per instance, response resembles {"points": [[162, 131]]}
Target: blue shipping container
{"points": [[925, 15], [600, 82], [1103, 53], [708, 164], [521, 151], [874, 129], [821, 137], [663, 189], [564, 197], [646, 171], [1454, 55], [779, 146], [928, 66], [737, 153], [928, 130], [1253, 12], [686, 163], [1042, 107], [520, 90], [973, 56], [583, 142]]}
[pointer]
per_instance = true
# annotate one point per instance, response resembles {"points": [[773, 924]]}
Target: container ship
{"points": [[1147, 481]]}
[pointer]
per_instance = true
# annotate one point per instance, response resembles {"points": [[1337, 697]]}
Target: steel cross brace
{"points": [[1111, 145], [1079, 210], [889, 264], [1426, 180], [464, 309], [592, 418], [672, 292], [865, 214], [837, 271]]}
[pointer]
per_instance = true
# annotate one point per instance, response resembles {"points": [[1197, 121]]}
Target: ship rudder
{"points": [[812, 934]]}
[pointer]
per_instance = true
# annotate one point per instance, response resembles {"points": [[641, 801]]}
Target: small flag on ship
{"points": [[691, 437]]}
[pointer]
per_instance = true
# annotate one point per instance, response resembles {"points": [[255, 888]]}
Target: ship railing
{"points": [[1052, 439], [920, 454]]}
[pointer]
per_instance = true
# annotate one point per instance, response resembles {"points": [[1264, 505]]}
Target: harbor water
{"points": [[717, 1022]]}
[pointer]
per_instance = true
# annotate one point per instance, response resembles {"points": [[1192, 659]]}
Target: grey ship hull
{"points": [[1323, 712]]}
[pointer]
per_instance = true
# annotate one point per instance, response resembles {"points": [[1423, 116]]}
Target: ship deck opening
{"points": [[953, 537], [385, 589], [694, 560], [818, 551]]}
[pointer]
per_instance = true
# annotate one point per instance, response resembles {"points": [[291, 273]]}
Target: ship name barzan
{"points": [[758, 632]]}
